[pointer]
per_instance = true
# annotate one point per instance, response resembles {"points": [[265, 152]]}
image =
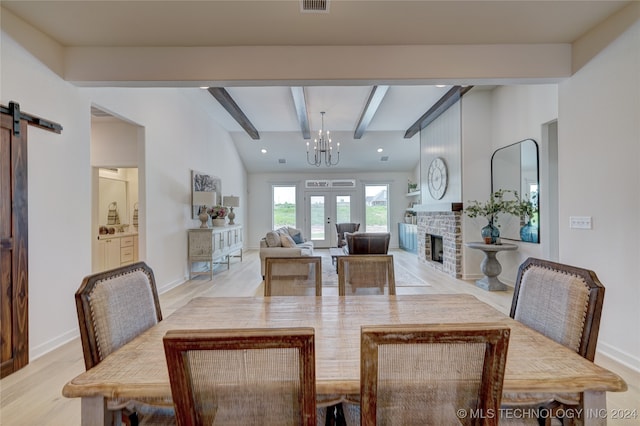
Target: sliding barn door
{"points": [[14, 326]]}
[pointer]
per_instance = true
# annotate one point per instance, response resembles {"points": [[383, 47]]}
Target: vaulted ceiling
{"points": [[148, 43]]}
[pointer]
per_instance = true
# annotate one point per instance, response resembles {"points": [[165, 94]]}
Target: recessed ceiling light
{"points": [[440, 85], [264, 151], [204, 87], [380, 149]]}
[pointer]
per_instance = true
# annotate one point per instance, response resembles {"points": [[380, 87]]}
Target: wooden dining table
{"points": [[534, 363]]}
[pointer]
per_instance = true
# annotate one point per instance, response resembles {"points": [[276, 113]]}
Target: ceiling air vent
{"points": [[317, 184], [282, 161], [384, 158], [314, 6]]}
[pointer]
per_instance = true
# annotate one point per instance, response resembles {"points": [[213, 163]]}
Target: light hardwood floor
{"points": [[32, 396]]}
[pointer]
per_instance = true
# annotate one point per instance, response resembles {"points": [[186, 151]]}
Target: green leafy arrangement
{"points": [[526, 209], [495, 206]]}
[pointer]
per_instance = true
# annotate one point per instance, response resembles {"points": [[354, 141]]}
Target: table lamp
{"points": [[204, 199], [231, 202]]}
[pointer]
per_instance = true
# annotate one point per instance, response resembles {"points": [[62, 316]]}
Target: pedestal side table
{"points": [[490, 266]]}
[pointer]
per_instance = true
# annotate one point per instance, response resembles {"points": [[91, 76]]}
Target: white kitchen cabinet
{"points": [[116, 250]]}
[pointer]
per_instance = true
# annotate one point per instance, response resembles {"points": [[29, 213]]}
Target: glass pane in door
{"points": [[343, 208], [317, 214]]}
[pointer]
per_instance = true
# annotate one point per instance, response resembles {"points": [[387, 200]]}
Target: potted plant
{"points": [[490, 210], [217, 213]]}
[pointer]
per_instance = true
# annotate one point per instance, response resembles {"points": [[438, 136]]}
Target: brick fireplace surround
{"points": [[448, 225]]}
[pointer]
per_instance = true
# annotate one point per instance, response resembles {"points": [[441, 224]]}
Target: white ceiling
{"points": [[116, 23]]}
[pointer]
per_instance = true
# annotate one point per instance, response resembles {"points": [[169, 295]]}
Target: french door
{"points": [[323, 210]]}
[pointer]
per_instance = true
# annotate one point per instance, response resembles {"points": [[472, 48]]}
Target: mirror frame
{"points": [[520, 180]]}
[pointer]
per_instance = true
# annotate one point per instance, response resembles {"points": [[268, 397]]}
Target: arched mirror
{"points": [[515, 168]]}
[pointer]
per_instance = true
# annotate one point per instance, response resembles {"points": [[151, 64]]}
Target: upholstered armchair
{"points": [[341, 228], [367, 242]]}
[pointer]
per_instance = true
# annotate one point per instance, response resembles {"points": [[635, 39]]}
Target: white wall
{"points": [[114, 143], [492, 120], [518, 113], [476, 170], [59, 185], [260, 199], [179, 134], [442, 138], [599, 152]]}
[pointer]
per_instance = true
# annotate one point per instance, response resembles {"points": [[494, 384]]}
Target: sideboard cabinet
{"points": [[216, 245]]}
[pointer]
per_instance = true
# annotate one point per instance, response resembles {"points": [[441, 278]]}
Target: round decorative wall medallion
{"points": [[437, 178]]}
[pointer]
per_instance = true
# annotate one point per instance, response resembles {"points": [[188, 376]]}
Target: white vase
{"points": [[218, 222]]}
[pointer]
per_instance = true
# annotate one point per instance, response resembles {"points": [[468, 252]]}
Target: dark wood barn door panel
{"points": [[14, 325]]}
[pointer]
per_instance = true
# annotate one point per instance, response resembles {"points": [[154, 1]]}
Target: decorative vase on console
{"points": [[529, 233], [491, 209], [490, 233]]}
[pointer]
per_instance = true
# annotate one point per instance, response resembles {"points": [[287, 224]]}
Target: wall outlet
{"points": [[580, 222]]}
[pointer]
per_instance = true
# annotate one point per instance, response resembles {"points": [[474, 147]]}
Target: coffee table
{"points": [[336, 252]]}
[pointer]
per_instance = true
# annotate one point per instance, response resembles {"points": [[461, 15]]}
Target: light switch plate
{"points": [[580, 222]]}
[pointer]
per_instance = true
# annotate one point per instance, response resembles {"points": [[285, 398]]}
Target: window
{"points": [[284, 206], [376, 208]]}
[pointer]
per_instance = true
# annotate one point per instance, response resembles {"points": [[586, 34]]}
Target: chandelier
{"points": [[323, 149]]}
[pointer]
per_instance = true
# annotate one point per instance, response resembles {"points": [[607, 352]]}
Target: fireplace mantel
{"points": [[438, 207]]}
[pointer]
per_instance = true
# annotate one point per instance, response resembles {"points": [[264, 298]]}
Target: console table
{"points": [[216, 245], [490, 266]]}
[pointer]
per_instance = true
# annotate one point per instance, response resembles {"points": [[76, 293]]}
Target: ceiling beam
{"points": [[443, 104], [300, 102], [232, 108], [374, 101]]}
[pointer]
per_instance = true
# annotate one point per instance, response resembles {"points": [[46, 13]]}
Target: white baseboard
{"points": [[171, 285], [472, 277], [625, 360], [40, 350]]}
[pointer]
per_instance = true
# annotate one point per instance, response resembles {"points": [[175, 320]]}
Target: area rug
{"points": [[403, 277]]}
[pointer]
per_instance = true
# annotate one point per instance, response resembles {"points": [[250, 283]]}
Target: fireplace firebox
{"points": [[436, 248]]}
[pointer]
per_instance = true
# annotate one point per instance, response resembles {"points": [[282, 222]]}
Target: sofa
{"points": [[367, 242], [286, 242]]}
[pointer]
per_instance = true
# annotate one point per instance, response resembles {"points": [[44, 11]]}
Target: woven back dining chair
{"points": [[431, 374], [113, 308], [366, 274], [278, 280], [564, 303], [242, 376]]}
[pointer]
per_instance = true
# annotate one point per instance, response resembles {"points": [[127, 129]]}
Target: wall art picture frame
{"points": [[204, 182]]}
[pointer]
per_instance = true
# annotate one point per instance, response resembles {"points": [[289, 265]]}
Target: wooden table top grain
{"points": [[534, 363]]}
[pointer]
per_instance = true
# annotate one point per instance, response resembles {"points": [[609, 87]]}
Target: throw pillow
{"points": [[273, 239], [287, 241], [296, 235]]}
